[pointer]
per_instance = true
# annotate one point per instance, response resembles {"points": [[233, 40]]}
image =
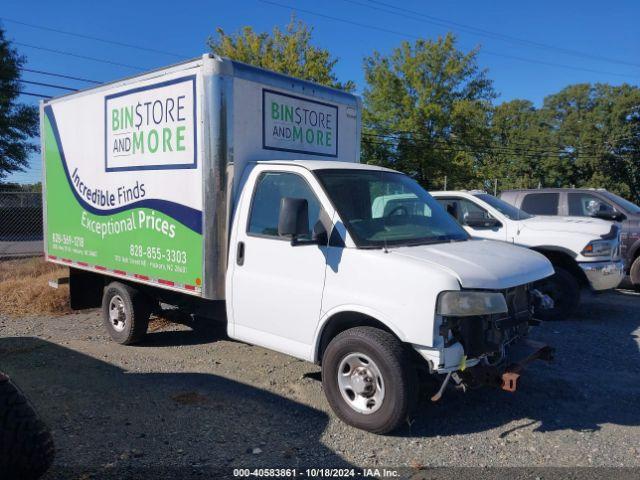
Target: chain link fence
{"points": [[20, 224]]}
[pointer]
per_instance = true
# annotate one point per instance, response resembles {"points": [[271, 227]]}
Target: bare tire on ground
{"points": [[564, 289], [26, 445], [125, 313], [369, 379]]}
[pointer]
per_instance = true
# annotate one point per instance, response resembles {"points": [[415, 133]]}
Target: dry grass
{"points": [[24, 288]]}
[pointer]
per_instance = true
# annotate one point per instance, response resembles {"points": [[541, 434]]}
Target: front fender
{"points": [[361, 309]]}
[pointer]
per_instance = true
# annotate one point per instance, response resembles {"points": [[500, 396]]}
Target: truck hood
{"points": [[483, 264], [582, 225]]}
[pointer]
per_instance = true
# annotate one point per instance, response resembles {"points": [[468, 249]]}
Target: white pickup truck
{"points": [[212, 183], [583, 251]]}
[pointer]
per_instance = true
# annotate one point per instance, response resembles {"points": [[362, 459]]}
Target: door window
{"points": [[460, 208], [541, 203], [587, 205], [271, 188]]}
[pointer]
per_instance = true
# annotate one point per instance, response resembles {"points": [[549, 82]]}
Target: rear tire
{"points": [[26, 445], [125, 313], [368, 379], [564, 289]]}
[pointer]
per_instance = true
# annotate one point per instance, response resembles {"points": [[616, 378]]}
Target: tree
{"points": [[427, 111], [521, 153], [289, 52], [597, 131], [18, 122]]}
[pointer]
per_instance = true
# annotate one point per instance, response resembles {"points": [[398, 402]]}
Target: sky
{"points": [[530, 49]]}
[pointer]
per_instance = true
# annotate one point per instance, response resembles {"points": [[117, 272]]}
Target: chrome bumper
{"points": [[603, 275]]}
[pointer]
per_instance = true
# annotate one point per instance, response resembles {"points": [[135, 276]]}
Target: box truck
{"points": [[213, 183]]}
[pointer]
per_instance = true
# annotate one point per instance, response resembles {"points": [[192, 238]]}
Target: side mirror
{"points": [[479, 220], [610, 215], [294, 218], [619, 216]]}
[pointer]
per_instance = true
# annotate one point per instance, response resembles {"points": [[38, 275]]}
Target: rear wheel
{"points": [[369, 379], [26, 445], [564, 290], [125, 313]]}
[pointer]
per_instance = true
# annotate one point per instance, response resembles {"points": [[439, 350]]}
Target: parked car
{"points": [[588, 202], [583, 251]]}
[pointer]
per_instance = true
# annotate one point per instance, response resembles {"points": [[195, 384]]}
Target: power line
{"points": [[401, 135], [608, 140], [50, 85], [83, 57], [59, 75], [407, 35], [411, 14], [97, 39], [22, 92], [487, 150], [469, 147], [531, 150]]}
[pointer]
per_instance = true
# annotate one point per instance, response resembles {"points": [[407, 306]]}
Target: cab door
{"points": [[276, 288]]}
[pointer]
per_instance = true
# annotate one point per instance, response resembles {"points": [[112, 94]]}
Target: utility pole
{"points": [[445, 182], [495, 187]]}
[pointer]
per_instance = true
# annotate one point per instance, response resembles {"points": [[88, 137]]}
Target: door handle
{"points": [[240, 254]]}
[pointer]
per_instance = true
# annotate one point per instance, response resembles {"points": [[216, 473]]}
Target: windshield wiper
{"points": [[432, 241]]}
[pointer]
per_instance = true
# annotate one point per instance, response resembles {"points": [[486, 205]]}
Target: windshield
{"points": [[503, 207], [626, 204], [382, 208]]}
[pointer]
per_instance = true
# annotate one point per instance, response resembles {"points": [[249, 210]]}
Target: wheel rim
{"points": [[117, 313], [361, 383]]}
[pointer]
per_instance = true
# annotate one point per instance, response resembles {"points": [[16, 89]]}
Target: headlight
{"points": [[598, 248], [467, 303]]}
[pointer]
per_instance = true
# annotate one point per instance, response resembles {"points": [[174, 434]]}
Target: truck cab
{"points": [[588, 202], [585, 252], [324, 265]]}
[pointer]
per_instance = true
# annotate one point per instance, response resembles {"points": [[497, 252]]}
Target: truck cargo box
{"points": [[140, 175]]}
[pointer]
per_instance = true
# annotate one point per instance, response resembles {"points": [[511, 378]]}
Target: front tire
{"points": [[564, 290], [125, 313], [368, 379]]}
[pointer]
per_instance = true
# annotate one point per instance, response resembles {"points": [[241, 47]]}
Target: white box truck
{"points": [[213, 183]]}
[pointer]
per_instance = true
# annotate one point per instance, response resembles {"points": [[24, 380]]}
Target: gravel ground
{"points": [[189, 399]]}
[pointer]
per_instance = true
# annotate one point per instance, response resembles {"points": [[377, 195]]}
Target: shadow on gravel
{"points": [[593, 381], [110, 423], [200, 331]]}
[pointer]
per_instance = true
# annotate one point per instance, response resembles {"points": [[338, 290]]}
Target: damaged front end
{"points": [[491, 327]]}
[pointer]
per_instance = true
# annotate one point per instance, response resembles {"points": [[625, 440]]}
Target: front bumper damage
{"points": [[506, 376], [488, 350]]}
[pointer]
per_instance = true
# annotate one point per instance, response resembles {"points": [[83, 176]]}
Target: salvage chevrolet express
{"points": [[312, 254]]}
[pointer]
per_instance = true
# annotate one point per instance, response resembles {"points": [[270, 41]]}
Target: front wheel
{"points": [[369, 380], [564, 290]]}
